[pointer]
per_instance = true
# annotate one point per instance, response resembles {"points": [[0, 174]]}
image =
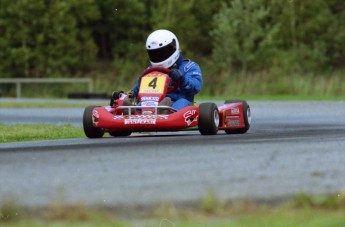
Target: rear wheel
{"points": [[246, 117], [208, 119], [120, 133], [89, 130]]}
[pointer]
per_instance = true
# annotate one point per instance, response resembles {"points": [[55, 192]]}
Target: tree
{"points": [[45, 38], [311, 35], [180, 20], [200, 39], [242, 35], [120, 31]]}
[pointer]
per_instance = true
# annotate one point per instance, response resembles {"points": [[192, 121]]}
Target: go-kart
{"points": [[148, 115]]}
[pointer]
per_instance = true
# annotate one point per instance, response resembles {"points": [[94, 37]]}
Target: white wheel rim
{"points": [[216, 118], [249, 116]]}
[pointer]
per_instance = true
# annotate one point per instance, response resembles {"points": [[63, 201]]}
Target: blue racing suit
{"points": [[190, 85]]}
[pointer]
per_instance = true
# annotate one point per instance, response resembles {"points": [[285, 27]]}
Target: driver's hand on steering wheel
{"points": [[175, 74]]}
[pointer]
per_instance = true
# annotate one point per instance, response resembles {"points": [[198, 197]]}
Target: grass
{"points": [[21, 132], [272, 98], [236, 213], [50, 103], [277, 84], [266, 84], [44, 104], [270, 85], [286, 218]]}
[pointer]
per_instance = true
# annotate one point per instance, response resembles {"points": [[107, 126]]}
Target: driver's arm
{"points": [[135, 89], [191, 82]]}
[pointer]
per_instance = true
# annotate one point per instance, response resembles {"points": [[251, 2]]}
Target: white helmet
{"points": [[163, 48]]}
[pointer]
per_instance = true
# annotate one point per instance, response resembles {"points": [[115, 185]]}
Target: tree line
{"points": [[66, 38]]}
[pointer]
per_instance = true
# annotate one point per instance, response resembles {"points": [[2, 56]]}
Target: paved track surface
{"points": [[291, 147]]}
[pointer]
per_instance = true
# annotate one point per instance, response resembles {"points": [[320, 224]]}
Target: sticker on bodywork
{"points": [[149, 103], [150, 98], [234, 123], [190, 117], [235, 110], [95, 116], [140, 121]]}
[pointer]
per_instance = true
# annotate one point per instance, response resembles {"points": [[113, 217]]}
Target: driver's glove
{"points": [[132, 98], [175, 74], [130, 94]]}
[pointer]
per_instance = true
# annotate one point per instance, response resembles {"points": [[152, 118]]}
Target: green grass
{"points": [[21, 132], [47, 104], [273, 85], [286, 218], [235, 214], [40, 105], [272, 98], [281, 218]]}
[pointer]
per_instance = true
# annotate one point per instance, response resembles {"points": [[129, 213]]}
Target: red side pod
{"points": [[231, 116]]}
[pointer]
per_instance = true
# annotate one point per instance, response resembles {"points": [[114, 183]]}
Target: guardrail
{"points": [[20, 81]]}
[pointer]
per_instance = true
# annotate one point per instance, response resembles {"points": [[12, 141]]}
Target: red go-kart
{"points": [[149, 116]]}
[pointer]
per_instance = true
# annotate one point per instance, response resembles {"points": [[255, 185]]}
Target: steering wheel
{"points": [[175, 84]]}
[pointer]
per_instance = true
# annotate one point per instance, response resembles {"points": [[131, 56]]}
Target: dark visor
{"points": [[163, 53]]}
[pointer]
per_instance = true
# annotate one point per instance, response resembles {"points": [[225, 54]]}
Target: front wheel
{"points": [[246, 117], [208, 119], [90, 130]]}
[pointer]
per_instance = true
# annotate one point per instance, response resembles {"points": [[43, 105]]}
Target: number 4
{"points": [[153, 83]]}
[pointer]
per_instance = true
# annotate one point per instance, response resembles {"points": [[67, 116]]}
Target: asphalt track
{"points": [[291, 147]]}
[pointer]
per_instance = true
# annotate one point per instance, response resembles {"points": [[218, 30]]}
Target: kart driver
{"points": [[164, 51]]}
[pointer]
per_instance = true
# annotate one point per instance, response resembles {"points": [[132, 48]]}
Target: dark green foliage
{"points": [[311, 35], [120, 29], [46, 38], [295, 36], [243, 36]]}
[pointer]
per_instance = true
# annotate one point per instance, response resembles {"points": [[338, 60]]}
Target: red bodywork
{"points": [[231, 116], [103, 117], [111, 118]]}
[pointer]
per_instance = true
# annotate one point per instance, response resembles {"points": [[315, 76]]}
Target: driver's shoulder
{"points": [[188, 65]]}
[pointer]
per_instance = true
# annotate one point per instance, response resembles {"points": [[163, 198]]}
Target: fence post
{"points": [[18, 89], [90, 85]]}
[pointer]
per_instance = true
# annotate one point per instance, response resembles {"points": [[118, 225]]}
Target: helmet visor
{"points": [[163, 53]]}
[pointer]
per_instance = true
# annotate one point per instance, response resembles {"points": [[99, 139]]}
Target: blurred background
{"points": [[244, 47]]}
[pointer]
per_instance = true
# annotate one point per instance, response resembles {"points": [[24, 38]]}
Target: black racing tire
{"points": [[208, 118], [246, 116], [120, 133], [89, 130]]}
